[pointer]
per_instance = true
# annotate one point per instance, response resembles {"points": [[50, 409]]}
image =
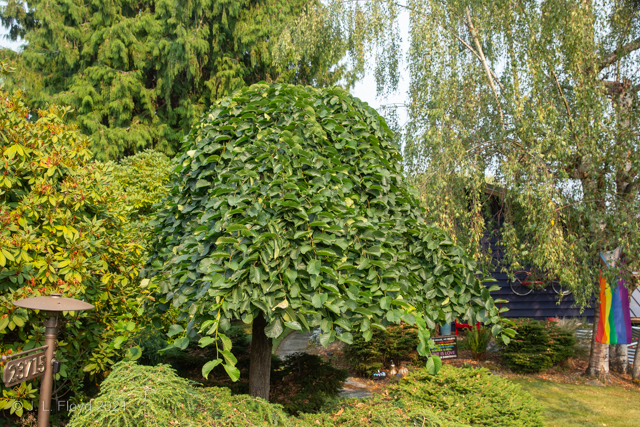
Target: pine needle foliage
{"points": [[134, 395], [470, 396], [139, 74], [537, 346], [145, 396]]}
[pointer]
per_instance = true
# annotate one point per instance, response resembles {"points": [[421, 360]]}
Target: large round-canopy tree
{"points": [[289, 209]]}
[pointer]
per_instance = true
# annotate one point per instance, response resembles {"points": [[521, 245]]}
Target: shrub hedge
{"points": [[537, 346]]}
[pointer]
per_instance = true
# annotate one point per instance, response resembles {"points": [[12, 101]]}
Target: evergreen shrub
{"points": [[395, 345], [156, 396], [537, 346], [477, 340], [469, 396], [378, 410], [305, 383]]}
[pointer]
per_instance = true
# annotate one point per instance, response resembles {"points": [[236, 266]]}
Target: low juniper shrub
{"points": [[155, 396], [469, 396], [538, 345]]}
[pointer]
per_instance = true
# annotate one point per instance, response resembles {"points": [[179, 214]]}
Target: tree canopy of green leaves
{"points": [[538, 99], [139, 74], [289, 203], [64, 227]]}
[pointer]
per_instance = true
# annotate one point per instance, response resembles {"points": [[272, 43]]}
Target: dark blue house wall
{"points": [[540, 304]]}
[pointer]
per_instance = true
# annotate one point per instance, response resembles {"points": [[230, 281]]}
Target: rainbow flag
{"points": [[614, 326]]}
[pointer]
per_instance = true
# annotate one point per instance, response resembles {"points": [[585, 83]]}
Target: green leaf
{"points": [[208, 367], [133, 353], [326, 338], [409, 318], [254, 274], [292, 275], [314, 267], [434, 364], [233, 372], [346, 337], [226, 341], [229, 357], [274, 329], [385, 303], [181, 343], [205, 341], [119, 341], [293, 325], [496, 330], [174, 330]]}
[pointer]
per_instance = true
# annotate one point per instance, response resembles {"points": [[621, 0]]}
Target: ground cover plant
{"points": [[289, 208], [537, 346], [471, 396], [396, 344], [145, 396]]}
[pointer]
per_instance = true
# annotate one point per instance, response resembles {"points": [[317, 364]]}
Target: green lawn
{"points": [[567, 405]]}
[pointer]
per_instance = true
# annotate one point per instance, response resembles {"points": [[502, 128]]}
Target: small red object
{"points": [[464, 326]]}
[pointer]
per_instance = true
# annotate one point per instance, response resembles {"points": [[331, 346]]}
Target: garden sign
{"points": [[40, 361], [447, 347]]}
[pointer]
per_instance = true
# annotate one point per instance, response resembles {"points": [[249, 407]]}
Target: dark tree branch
{"points": [[616, 88], [619, 53]]}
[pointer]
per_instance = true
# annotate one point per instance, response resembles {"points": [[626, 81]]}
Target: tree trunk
{"points": [[618, 358], [599, 356], [260, 363]]}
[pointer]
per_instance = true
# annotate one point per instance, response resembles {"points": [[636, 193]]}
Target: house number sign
{"points": [[37, 362], [25, 368]]}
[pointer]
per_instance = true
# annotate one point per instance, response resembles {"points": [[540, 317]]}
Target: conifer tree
{"points": [[138, 74]]}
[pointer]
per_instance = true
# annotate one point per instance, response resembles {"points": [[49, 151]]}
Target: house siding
{"points": [[540, 304]]}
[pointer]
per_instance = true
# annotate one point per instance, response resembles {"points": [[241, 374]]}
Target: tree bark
{"points": [[260, 362], [599, 356], [618, 358]]}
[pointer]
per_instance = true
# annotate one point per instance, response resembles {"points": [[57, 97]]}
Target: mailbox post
{"points": [[39, 361]]}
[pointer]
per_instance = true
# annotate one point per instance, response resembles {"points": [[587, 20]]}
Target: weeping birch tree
{"points": [[538, 99]]}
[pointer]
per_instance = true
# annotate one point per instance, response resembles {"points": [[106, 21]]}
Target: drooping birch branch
{"points": [[483, 60]]}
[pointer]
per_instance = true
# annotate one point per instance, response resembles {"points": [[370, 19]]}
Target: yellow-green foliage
{"points": [[62, 229], [470, 396], [145, 396], [141, 179]]}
